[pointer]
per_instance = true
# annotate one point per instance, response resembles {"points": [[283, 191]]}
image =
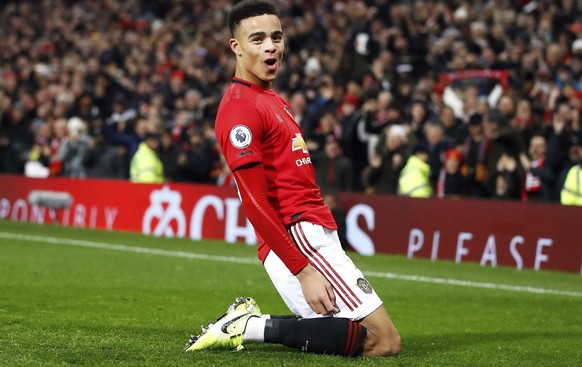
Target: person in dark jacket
{"points": [[169, 153], [539, 178], [381, 176], [102, 160], [333, 170]]}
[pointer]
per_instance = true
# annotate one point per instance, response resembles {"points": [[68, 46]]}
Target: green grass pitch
{"points": [[94, 298]]}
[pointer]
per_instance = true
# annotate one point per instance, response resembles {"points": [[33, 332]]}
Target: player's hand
{"points": [[317, 291]]}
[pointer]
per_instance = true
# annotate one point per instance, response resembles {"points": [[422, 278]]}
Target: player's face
{"points": [[258, 45]]}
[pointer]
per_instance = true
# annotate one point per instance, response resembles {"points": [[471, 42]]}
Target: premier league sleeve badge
{"points": [[241, 136]]}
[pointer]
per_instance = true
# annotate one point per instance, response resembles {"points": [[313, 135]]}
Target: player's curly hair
{"points": [[247, 9]]}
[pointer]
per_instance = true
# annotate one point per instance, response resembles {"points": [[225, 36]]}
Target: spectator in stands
{"points": [[103, 160], [122, 127], [562, 135], [333, 171], [506, 107], [527, 121], [39, 158], [377, 113], [414, 180], [194, 162], [506, 154], [331, 199], [539, 178], [450, 182], [350, 116], [327, 125], [454, 130], [169, 153], [503, 187], [19, 139], [381, 176], [146, 166], [323, 120], [58, 136], [194, 104], [74, 148], [298, 105], [437, 144], [573, 157], [571, 193], [506, 179], [416, 119]]}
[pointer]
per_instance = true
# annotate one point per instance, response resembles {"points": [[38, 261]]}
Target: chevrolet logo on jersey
{"points": [[299, 143]]}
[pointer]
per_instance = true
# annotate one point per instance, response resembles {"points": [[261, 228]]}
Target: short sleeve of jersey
{"points": [[239, 131]]}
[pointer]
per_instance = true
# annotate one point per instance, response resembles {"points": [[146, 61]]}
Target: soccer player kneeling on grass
{"points": [[336, 310]]}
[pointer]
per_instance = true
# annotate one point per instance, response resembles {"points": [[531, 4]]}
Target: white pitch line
{"points": [[141, 250], [254, 261], [466, 283]]}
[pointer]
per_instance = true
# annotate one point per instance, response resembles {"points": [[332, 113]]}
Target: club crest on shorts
{"points": [[364, 285], [241, 136]]}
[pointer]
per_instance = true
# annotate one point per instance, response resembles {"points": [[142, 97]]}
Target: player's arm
{"points": [[252, 183]]}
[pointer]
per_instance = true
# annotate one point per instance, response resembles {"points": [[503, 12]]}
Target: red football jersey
{"points": [[255, 124]]}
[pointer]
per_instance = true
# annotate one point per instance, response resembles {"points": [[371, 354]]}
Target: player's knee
{"points": [[383, 346]]}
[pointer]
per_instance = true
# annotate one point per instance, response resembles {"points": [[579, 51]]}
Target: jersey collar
{"points": [[253, 86]]}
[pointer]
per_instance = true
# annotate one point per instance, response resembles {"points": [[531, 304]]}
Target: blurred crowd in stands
{"points": [[422, 98]]}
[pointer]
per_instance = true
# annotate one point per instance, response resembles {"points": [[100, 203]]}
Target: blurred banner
{"points": [[469, 86], [492, 233]]}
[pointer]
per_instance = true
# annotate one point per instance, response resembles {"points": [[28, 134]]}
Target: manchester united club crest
{"points": [[364, 285], [288, 110]]}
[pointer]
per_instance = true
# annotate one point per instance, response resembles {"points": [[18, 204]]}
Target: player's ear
{"points": [[235, 46]]}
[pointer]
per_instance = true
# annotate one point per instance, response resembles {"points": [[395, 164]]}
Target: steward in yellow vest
{"points": [[572, 191], [146, 166], [414, 179]]}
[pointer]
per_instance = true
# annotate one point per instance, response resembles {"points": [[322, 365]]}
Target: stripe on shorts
{"points": [[350, 293], [316, 263], [325, 268]]}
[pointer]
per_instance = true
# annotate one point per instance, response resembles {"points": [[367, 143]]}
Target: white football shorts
{"points": [[354, 295]]}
